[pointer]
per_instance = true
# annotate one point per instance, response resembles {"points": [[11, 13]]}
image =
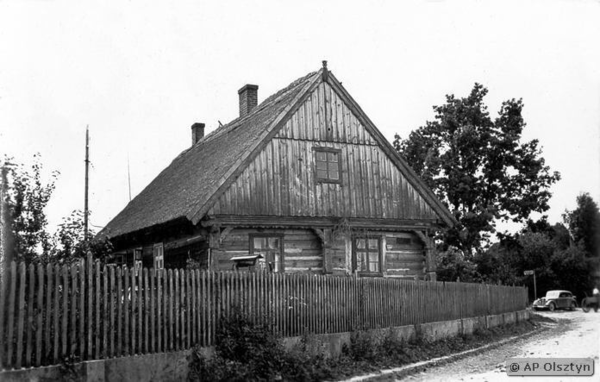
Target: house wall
{"points": [[302, 249], [280, 181], [403, 253]]}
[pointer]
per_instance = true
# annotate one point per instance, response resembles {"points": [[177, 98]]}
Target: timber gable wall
{"points": [[281, 181]]}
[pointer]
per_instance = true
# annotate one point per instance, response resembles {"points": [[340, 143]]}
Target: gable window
{"points": [[366, 255], [270, 247], [328, 164]]}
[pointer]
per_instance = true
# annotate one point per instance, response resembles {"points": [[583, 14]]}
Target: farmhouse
{"points": [[302, 182]]}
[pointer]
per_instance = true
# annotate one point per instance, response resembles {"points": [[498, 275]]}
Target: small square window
{"points": [[270, 247], [366, 256], [328, 164]]}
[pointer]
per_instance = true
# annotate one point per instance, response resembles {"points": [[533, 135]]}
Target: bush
{"points": [[248, 351]]}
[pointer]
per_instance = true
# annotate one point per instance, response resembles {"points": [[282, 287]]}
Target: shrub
{"points": [[248, 351]]}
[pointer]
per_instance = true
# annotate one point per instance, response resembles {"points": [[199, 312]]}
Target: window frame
{"points": [[367, 237], [279, 236], [327, 150], [158, 249]]}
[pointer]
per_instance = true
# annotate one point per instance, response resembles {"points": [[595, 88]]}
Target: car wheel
{"points": [[551, 307], [585, 305]]}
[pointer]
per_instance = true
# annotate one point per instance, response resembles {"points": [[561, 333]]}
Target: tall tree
{"points": [[26, 198], [478, 166], [584, 224]]}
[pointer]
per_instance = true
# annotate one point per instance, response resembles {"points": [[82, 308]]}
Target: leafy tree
{"points": [[500, 263], [71, 243], [26, 199], [584, 224], [453, 266], [478, 166], [572, 268]]}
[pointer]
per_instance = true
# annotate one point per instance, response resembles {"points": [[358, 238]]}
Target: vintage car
{"points": [[556, 299]]}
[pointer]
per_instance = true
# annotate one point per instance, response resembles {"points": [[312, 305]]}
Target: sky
{"points": [[140, 73]]}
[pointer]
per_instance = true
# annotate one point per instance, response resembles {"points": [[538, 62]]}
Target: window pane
{"points": [[374, 267], [334, 175], [374, 244], [321, 165], [360, 243], [322, 174], [373, 257], [274, 242], [361, 263], [258, 243], [321, 156], [333, 167], [332, 157]]}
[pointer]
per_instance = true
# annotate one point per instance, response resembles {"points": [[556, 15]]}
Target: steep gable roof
{"points": [[185, 187], [189, 186]]}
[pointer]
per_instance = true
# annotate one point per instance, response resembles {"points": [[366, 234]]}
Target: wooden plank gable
{"points": [[281, 180]]}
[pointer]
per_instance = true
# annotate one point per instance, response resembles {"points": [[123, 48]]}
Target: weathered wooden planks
{"points": [[47, 313], [280, 181]]}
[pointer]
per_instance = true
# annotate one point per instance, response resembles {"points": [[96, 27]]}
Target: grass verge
{"points": [[246, 351]]}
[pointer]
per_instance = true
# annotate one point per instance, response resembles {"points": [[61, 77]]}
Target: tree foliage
{"points": [[71, 242], [584, 224], [26, 198], [478, 166], [558, 261]]}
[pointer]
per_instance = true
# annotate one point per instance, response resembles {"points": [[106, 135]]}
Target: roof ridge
{"points": [[233, 124]]}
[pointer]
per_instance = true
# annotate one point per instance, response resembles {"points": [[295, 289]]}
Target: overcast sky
{"points": [[139, 73]]}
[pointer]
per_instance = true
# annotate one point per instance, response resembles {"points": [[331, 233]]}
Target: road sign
{"points": [[527, 273]]}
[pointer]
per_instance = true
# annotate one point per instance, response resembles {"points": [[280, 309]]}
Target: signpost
{"points": [[528, 273]]}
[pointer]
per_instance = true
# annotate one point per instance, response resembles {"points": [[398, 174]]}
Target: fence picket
{"points": [[126, 299], [39, 318], [112, 300], [105, 312], [21, 315], [152, 313], [119, 301], [29, 332], [132, 293], [89, 308], [82, 310], [73, 310], [146, 312]]}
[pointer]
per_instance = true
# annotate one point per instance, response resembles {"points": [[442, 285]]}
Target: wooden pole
{"points": [[87, 165]]}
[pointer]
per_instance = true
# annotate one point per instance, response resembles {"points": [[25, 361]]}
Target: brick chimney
{"points": [[248, 99], [197, 132]]}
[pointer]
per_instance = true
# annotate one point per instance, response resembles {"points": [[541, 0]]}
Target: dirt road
{"points": [[575, 335]]}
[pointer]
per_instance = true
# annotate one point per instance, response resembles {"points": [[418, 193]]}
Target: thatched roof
{"points": [[183, 189]]}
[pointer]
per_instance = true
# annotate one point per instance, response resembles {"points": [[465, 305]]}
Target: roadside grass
{"points": [[245, 351]]}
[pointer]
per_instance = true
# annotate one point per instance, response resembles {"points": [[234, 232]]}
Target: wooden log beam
{"points": [[319, 222], [429, 254]]}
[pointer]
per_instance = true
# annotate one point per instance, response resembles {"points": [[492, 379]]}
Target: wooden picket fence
{"points": [[92, 311]]}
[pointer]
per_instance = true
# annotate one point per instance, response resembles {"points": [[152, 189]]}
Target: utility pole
{"points": [[128, 177], [87, 165]]}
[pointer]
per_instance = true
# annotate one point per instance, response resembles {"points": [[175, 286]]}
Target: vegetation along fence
{"points": [[92, 311]]}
